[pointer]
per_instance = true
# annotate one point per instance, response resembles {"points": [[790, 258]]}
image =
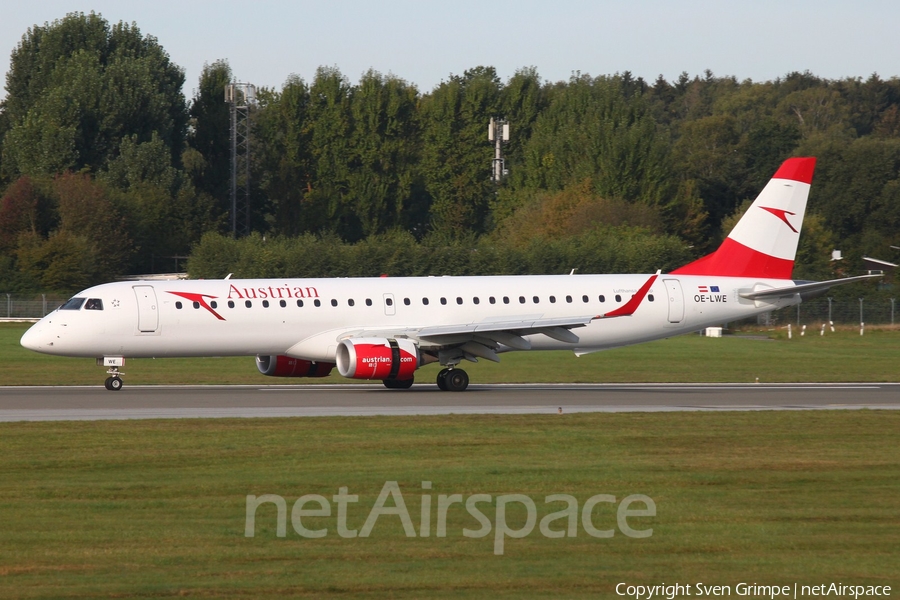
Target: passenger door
{"points": [[148, 313]]}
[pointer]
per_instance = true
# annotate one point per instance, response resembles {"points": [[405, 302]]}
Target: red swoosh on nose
{"points": [[199, 299]]}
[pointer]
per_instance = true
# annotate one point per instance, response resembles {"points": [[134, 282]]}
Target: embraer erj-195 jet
{"points": [[386, 328]]}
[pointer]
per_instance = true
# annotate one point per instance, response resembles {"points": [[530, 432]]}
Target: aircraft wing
{"points": [[482, 339], [806, 290]]}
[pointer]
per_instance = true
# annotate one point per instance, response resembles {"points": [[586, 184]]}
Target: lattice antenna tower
{"points": [[498, 132], [241, 97]]}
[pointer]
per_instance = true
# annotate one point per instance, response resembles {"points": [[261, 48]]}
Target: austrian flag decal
{"points": [[703, 289]]}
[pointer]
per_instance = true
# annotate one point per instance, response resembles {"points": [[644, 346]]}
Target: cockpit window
{"points": [[73, 304], [93, 304]]}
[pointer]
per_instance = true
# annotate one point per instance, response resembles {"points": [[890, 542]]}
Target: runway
{"points": [[177, 402]]}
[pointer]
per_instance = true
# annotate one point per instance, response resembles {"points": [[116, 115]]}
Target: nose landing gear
{"points": [[114, 382]]}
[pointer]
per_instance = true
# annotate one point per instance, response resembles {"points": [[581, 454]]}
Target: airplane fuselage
{"points": [[307, 318]]}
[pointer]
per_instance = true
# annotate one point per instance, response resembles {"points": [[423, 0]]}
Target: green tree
{"points": [[24, 209], [382, 186], [164, 213], [330, 127], [88, 246], [77, 86], [456, 155], [591, 130], [208, 157], [856, 190], [284, 137]]}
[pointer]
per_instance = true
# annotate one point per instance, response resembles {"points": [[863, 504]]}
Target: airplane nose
{"points": [[33, 338]]}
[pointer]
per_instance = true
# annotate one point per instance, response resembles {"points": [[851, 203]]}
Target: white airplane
{"points": [[386, 328]]}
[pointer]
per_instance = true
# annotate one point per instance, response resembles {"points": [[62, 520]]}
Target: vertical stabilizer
{"points": [[764, 242]]}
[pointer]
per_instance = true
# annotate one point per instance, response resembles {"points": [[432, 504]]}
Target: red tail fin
{"points": [[764, 242]]}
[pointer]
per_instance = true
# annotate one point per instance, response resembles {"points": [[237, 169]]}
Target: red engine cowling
{"points": [[285, 366], [377, 358]]}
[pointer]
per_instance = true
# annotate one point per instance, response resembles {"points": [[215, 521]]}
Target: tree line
{"points": [[107, 169]]}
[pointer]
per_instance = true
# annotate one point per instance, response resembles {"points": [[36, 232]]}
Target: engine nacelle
{"points": [[377, 358], [286, 366]]}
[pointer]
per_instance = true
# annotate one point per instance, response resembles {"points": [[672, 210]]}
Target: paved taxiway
{"points": [[167, 402]]}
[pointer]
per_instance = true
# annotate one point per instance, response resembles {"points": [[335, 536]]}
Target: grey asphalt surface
{"points": [[168, 402]]}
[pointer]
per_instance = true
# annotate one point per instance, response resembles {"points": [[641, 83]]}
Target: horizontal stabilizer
{"points": [[804, 289]]}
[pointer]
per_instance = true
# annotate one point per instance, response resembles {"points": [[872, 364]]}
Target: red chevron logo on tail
{"points": [[781, 214]]}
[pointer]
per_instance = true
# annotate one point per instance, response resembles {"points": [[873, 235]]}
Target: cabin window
{"points": [[351, 302], [178, 305], [443, 301], [281, 303], [569, 299], [552, 299], [317, 302], [334, 302], [368, 302], [231, 304], [93, 304], [521, 299], [618, 298], [299, 303], [248, 304], [265, 304], [492, 300], [425, 301], [406, 301], [650, 297], [536, 300], [73, 304], [475, 300], [584, 299], [389, 301], [602, 298], [195, 304], [458, 300], [213, 304], [505, 299]]}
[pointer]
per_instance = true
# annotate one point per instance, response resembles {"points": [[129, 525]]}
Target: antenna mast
{"points": [[240, 98]]}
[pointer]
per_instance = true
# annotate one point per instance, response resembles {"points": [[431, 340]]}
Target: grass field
{"points": [[839, 357], [156, 509]]}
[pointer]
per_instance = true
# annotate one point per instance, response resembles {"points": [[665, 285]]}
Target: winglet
{"points": [[627, 309]]}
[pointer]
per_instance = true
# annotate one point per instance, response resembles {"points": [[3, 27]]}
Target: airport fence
{"points": [[881, 311], [35, 306]]}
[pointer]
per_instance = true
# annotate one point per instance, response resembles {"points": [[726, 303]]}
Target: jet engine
{"points": [[286, 366], [378, 358]]}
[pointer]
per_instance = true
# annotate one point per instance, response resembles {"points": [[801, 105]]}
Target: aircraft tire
{"points": [[398, 384], [456, 380], [115, 384], [442, 379]]}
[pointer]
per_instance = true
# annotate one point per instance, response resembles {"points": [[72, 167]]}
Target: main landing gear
{"points": [[398, 384], [114, 384], [453, 380]]}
